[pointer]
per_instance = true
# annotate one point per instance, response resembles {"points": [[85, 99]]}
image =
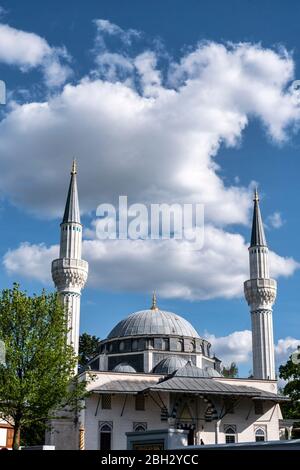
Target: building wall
{"points": [[121, 423], [243, 419], [123, 415]]}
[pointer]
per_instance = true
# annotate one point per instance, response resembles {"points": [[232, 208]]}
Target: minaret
{"points": [[260, 293], [69, 272]]}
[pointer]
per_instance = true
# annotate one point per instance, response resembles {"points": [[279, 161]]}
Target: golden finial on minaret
{"points": [[74, 167], [154, 304], [256, 196]]}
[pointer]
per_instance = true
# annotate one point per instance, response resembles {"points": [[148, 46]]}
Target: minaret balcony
{"points": [[254, 283], [69, 263], [69, 273], [260, 293]]}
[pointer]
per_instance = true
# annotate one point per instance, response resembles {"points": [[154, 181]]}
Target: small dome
{"points": [[212, 372], [189, 370], [153, 322], [124, 367], [169, 365]]}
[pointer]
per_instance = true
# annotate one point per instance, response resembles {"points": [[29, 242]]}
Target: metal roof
{"points": [[213, 387], [194, 385], [190, 370], [169, 365], [125, 386], [124, 367], [153, 322]]}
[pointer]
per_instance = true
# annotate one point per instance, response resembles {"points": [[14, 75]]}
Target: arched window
{"points": [[230, 434], [260, 435], [105, 429], [180, 345], [140, 427]]}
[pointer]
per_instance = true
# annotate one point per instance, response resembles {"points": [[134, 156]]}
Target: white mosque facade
{"points": [[155, 378]]}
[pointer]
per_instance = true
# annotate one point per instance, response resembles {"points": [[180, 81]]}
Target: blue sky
{"points": [[151, 48]]}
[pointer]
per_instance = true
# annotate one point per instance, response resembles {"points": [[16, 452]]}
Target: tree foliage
{"points": [[231, 371], [38, 375], [88, 347], [291, 372]]}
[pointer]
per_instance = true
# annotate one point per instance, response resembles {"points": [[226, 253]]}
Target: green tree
{"points": [[88, 347], [291, 372], [38, 375], [231, 371]]}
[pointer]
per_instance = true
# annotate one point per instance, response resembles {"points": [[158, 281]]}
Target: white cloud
{"points": [[158, 148], [275, 220], [169, 267], [237, 347], [31, 261], [285, 347], [28, 50], [153, 136], [106, 27]]}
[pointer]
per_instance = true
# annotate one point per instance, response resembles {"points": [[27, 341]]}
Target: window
{"points": [[258, 407], [260, 435], [140, 402], [230, 435], [106, 401], [121, 346], [180, 345], [105, 435], [139, 427]]}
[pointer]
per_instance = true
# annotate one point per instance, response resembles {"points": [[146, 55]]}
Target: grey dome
{"points": [[153, 322], [212, 372], [124, 367], [169, 365], [189, 370]]}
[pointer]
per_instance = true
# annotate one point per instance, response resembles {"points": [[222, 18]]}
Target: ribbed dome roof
{"points": [[124, 367], [169, 365], [189, 370], [153, 322]]}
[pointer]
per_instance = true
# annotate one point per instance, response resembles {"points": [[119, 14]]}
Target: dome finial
{"points": [[74, 167], [154, 304]]}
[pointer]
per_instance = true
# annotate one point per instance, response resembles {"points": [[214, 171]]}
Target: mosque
{"points": [[156, 383]]}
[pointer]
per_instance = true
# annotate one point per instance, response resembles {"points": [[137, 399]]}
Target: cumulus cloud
{"points": [[285, 347], [237, 347], [152, 133], [106, 27], [27, 50], [172, 268], [275, 220], [31, 261], [158, 148]]}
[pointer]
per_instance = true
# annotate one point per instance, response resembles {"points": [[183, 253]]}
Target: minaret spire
{"points": [[72, 213], [74, 167], [260, 292], [258, 234], [69, 271]]}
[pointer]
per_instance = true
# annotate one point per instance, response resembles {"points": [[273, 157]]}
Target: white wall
{"points": [[121, 424]]}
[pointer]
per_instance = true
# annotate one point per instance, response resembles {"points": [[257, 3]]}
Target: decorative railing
{"points": [[69, 263]]}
